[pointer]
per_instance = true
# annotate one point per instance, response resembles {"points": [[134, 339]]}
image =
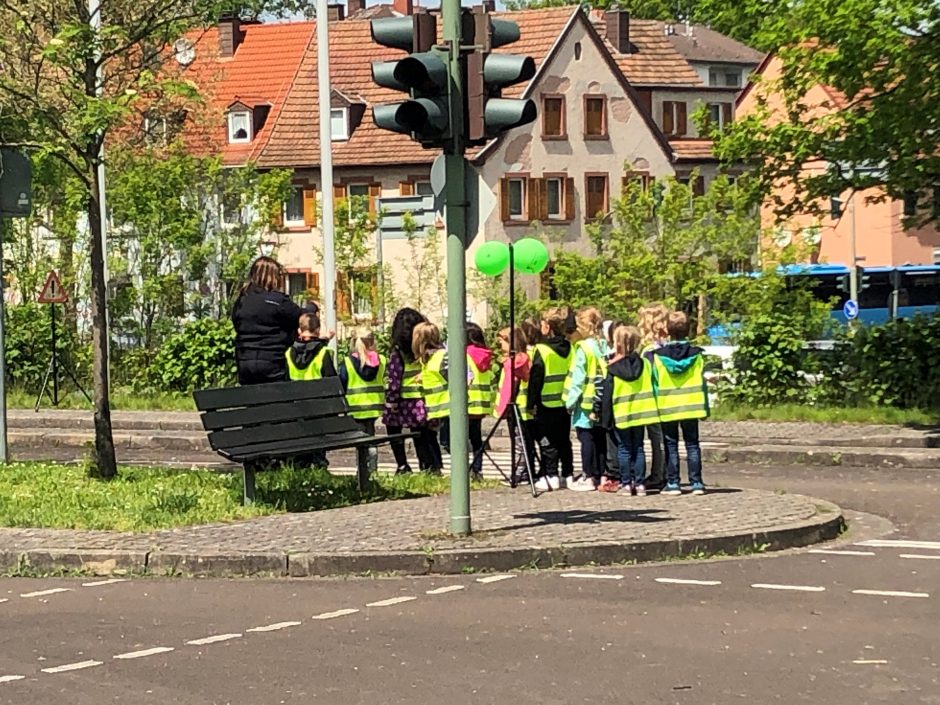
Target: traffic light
{"points": [[488, 113], [835, 207], [423, 74], [864, 280]]}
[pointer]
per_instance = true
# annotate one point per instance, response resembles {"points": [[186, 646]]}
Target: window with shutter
{"points": [[534, 210], [669, 117], [569, 199], [595, 116], [727, 114], [310, 207], [406, 188], [375, 193], [553, 198], [681, 119], [513, 198], [342, 295], [553, 116], [595, 195]]}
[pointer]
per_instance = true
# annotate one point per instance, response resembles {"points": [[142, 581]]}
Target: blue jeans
{"points": [[693, 450], [631, 455]]}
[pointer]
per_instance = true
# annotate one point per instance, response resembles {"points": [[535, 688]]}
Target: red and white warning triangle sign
{"points": [[52, 291]]}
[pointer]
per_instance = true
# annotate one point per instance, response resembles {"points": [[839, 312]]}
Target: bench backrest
{"points": [[242, 417]]}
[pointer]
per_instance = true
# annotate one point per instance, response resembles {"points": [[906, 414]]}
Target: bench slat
{"points": [[274, 413], [261, 394], [335, 441], [299, 429]]}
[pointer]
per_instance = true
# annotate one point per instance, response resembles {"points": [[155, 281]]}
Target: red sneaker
{"points": [[608, 485]]}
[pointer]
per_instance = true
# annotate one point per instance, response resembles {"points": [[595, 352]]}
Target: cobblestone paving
{"points": [[502, 518]]}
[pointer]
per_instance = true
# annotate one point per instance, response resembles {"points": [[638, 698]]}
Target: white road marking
{"points": [[797, 588], [890, 593], [78, 666], [495, 578], [833, 552], [42, 593], [446, 588], [145, 652], [869, 661], [592, 576], [110, 581], [3, 599], [901, 543], [681, 581], [921, 556], [10, 679], [337, 613], [212, 639], [392, 601], [274, 627]]}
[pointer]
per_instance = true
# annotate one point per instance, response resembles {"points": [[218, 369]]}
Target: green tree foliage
{"points": [[876, 63], [353, 229], [197, 357]]}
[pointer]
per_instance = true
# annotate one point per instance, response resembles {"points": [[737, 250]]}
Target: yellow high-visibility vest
{"points": [[480, 390], [594, 366], [681, 396], [556, 370], [634, 403], [366, 399], [312, 371], [434, 386], [411, 380]]}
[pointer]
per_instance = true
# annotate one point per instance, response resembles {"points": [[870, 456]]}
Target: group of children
{"points": [[614, 383]]}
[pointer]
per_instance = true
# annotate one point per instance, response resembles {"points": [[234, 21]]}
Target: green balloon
{"points": [[492, 258], [530, 255]]}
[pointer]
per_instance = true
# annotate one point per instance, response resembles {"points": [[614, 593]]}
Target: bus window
{"points": [[923, 289], [877, 291], [829, 287]]}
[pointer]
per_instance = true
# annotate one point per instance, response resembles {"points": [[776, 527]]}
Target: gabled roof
{"points": [[702, 44], [693, 149]]}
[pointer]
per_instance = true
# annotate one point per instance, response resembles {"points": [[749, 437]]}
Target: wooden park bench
{"points": [[283, 420]]}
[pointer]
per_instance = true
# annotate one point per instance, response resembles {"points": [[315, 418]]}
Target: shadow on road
{"points": [[580, 516]]}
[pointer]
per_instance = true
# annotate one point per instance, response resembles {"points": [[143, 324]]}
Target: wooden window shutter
{"points": [[313, 284], [698, 188], [504, 199], [668, 123], [543, 199], [339, 192], [375, 192], [310, 206], [682, 119], [726, 113], [343, 307], [277, 216], [533, 211], [569, 198], [406, 188]]}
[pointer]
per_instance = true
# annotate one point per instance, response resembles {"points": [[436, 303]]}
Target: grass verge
{"points": [[121, 399], [52, 495], [826, 414]]}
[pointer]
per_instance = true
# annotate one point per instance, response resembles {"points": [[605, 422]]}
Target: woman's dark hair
{"points": [[266, 273], [402, 329], [475, 335], [531, 332]]}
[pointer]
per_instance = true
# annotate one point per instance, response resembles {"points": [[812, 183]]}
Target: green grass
{"points": [[121, 399], [826, 414], [52, 495]]}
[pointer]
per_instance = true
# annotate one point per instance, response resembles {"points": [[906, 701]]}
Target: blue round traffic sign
{"points": [[850, 309]]}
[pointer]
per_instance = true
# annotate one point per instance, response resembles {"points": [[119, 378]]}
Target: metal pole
{"points": [[380, 273], [512, 357], [455, 194], [4, 458], [853, 255], [326, 168], [55, 358], [94, 12]]}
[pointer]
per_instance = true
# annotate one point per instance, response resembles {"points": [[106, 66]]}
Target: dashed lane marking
{"points": [[274, 627], [213, 639], [10, 679], [796, 588], [98, 583], [43, 593], [78, 666], [592, 576], [870, 661], [392, 601], [833, 552], [495, 578], [145, 653], [446, 588], [890, 593], [901, 543], [3, 599], [921, 556], [681, 581], [335, 614]]}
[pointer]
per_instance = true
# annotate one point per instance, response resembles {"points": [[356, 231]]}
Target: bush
{"points": [[201, 355], [27, 340]]}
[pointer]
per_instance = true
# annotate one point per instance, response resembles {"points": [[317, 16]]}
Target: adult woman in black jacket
{"points": [[265, 322]]}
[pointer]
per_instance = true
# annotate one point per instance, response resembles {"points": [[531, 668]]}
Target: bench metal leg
{"points": [[249, 477], [362, 467]]}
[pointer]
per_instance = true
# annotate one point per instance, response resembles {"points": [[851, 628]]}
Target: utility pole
{"points": [[326, 169], [853, 254]]}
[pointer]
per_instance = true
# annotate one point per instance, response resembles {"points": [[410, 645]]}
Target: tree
{"points": [[876, 63], [353, 228], [73, 86]]}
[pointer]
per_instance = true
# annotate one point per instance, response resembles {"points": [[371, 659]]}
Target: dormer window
{"points": [[339, 124], [239, 126]]}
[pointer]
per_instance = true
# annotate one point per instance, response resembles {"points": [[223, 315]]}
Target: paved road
{"points": [[855, 623]]}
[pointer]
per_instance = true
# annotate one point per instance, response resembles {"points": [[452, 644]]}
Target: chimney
{"points": [[489, 5], [335, 12], [618, 29], [404, 7], [354, 6], [230, 35]]}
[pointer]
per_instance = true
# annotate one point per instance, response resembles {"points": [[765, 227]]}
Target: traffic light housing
{"points": [[423, 75], [488, 114], [864, 280], [835, 207]]}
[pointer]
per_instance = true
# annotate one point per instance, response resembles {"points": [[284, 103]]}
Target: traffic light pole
{"points": [[455, 199]]}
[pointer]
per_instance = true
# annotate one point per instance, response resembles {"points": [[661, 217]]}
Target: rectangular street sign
{"points": [[393, 209]]}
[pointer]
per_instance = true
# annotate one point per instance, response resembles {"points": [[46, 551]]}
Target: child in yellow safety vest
{"points": [[310, 357], [628, 405], [429, 351], [362, 375], [682, 399], [480, 393]]}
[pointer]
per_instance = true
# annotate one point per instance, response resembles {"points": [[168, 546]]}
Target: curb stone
{"points": [[218, 565], [93, 562]]}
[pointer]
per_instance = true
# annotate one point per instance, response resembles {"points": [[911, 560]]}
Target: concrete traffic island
{"points": [[511, 531]]}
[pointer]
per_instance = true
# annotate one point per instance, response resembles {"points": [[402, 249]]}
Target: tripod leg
{"points": [[477, 454], [525, 453], [42, 389], [68, 371]]}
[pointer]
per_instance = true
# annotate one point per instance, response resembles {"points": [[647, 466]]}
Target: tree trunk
{"points": [[105, 462]]}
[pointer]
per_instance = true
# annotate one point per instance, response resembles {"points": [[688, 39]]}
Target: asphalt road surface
{"points": [[857, 622]]}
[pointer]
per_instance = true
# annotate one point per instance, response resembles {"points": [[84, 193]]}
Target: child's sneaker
{"points": [[672, 489], [626, 488], [582, 484], [608, 485], [640, 490], [554, 482], [698, 489]]}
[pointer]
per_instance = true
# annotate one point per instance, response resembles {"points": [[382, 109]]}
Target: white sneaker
{"points": [[543, 485], [583, 484], [555, 482]]}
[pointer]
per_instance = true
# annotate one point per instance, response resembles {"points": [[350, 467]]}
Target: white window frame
{"points": [[560, 215], [350, 195], [716, 115], [232, 116], [425, 186], [342, 114], [303, 289], [521, 215], [737, 79], [355, 311], [295, 190]]}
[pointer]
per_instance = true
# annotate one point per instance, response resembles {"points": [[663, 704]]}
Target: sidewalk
{"points": [[511, 531]]}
